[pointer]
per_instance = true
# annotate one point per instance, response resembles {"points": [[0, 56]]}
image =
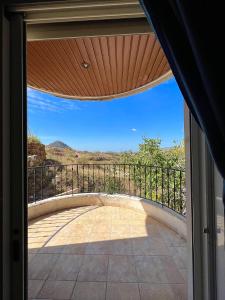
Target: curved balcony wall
{"points": [[161, 213]]}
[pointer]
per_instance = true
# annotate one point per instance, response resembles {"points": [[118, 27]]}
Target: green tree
{"points": [[151, 153], [158, 172]]}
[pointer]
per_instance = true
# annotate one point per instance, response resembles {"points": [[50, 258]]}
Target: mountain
{"points": [[58, 144]]}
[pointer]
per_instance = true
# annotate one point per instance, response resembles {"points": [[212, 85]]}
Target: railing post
{"points": [[78, 184], [174, 190], [83, 177], [168, 187], [93, 166], [88, 178], [114, 176], [181, 204], [66, 179], [156, 184], [104, 177], [42, 183], [55, 180], [162, 195], [72, 179], [124, 179], [129, 179], [34, 195], [145, 181], [150, 184], [61, 180]]}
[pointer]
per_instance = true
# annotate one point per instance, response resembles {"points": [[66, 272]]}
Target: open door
{"points": [[13, 141]]}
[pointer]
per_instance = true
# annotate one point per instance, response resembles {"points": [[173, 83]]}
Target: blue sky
{"points": [[115, 125]]}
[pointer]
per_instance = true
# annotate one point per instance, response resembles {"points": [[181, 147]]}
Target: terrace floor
{"points": [[112, 253]]}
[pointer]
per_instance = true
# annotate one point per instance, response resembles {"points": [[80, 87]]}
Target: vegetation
{"points": [[33, 139], [152, 172], [67, 155], [152, 154]]}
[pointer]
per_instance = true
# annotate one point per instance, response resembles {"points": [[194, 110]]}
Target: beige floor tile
{"points": [[122, 269], [55, 245], [34, 247], [94, 268], [184, 273], [121, 247], [171, 238], [57, 289], [30, 256], [122, 291], [51, 249], [179, 255], [138, 229], [89, 291], [34, 287], [162, 291], [98, 247], [101, 236], [149, 246], [120, 228], [75, 248], [157, 269], [101, 228], [41, 265], [38, 239], [66, 267]]}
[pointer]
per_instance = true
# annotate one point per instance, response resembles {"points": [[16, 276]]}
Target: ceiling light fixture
{"points": [[85, 65]]}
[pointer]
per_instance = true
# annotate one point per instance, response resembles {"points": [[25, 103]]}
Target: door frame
{"points": [[201, 212]]}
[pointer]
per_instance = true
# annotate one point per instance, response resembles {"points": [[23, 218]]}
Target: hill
{"points": [[70, 156], [58, 144]]}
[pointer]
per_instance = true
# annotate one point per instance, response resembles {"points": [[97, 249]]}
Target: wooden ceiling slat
{"points": [[156, 64], [126, 60], [94, 64], [151, 60], [55, 56], [89, 71], [40, 65], [98, 54], [75, 68], [89, 84], [117, 65], [106, 61], [141, 50], [160, 68], [133, 56], [119, 62], [145, 59], [112, 58]]}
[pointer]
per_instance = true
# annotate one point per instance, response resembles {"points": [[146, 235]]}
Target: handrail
{"points": [[163, 185]]}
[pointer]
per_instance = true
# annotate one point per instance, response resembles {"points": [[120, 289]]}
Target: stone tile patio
{"points": [[112, 253]]}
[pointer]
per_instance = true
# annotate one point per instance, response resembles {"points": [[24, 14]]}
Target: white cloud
{"points": [[133, 129], [45, 102]]}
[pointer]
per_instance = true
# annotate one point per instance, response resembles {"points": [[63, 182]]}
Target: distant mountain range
{"points": [[58, 144]]}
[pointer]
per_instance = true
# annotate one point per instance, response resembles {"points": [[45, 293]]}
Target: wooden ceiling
{"points": [[115, 65]]}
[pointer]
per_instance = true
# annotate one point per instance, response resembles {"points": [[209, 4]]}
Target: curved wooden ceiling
{"points": [[115, 65]]}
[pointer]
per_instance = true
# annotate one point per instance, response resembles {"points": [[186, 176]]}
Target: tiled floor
{"points": [[112, 253]]}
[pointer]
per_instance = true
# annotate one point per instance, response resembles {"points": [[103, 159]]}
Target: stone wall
{"points": [[36, 154]]}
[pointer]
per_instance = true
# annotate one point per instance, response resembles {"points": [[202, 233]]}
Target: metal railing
{"points": [[162, 185]]}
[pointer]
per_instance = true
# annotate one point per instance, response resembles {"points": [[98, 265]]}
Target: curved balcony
{"points": [[105, 246]]}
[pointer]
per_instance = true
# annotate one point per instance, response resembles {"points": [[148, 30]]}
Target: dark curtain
{"points": [[191, 34]]}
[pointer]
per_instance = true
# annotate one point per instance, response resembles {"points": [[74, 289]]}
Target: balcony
{"points": [[86, 244]]}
